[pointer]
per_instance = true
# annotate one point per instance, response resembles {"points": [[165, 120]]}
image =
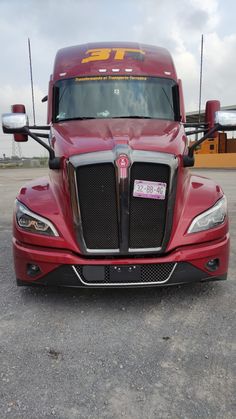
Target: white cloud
{"points": [[219, 69], [178, 26], [188, 71], [22, 94]]}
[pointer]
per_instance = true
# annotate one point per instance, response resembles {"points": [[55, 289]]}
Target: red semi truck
{"points": [[120, 207]]}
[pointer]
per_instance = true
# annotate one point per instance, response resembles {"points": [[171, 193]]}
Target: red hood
{"points": [[75, 137]]}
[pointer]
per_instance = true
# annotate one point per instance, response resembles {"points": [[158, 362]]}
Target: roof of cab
{"points": [[113, 58]]}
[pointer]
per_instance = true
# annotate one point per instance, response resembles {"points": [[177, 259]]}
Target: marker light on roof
{"points": [[128, 70], [62, 74], [102, 70], [168, 73], [115, 70]]}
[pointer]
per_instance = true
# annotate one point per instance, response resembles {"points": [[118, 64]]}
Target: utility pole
{"points": [[16, 149], [200, 82], [31, 79]]}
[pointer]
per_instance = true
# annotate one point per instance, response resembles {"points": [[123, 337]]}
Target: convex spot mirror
{"points": [[226, 120], [14, 122]]}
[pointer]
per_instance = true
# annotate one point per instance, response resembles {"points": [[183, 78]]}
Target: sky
{"points": [[175, 25]]}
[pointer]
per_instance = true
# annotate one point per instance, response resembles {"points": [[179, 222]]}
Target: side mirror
{"points": [[17, 123], [14, 123], [226, 120], [212, 106], [223, 121], [19, 108]]}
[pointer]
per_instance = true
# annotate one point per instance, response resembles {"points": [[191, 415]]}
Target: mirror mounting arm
{"points": [[42, 127], [188, 160], [54, 162], [207, 135]]}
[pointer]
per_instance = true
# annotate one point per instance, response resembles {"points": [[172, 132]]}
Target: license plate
{"points": [[152, 190]]}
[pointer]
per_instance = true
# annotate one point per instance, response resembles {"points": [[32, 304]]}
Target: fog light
{"points": [[213, 264], [33, 269]]}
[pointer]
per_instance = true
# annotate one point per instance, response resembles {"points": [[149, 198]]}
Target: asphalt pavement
{"points": [[132, 353]]}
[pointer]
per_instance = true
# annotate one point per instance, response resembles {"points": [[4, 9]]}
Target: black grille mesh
{"points": [[98, 206], [147, 216], [149, 273]]}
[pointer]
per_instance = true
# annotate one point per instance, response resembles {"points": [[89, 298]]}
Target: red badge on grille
{"points": [[123, 163]]}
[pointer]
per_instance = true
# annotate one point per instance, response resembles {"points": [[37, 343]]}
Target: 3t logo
{"points": [[103, 54]]}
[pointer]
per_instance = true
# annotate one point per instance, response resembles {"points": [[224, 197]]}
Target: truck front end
{"points": [[120, 207]]}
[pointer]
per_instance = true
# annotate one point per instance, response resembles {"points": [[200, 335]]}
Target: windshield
{"points": [[114, 97]]}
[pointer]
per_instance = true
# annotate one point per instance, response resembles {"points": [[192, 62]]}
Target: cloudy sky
{"points": [[176, 25]]}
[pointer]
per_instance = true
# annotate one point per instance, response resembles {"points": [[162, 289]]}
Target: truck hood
{"points": [[75, 137]]}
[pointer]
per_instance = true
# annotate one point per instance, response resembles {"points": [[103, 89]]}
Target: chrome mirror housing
{"points": [[226, 120], [14, 122]]}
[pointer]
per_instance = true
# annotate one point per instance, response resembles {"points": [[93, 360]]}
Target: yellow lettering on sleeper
{"points": [[97, 55], [104, 54]]}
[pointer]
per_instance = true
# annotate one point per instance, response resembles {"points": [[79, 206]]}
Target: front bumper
{"points": [[63, 268]]}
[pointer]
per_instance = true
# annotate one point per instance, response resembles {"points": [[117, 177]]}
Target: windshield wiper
{"points": [[132, 116], [168, 99], [83, 118], [79, 118]]}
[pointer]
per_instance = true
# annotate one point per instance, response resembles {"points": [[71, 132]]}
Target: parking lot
{"points": [[132, 353]]}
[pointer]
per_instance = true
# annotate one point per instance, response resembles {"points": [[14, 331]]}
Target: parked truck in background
{"points": [[120, 206]]}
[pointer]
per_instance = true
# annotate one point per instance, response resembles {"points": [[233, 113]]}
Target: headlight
{"points": [[34, 223], [210, 218]]}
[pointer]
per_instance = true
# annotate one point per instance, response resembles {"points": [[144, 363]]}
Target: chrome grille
{"points": [[142, 274], [147, 216], [108, 219], [97, 200]]}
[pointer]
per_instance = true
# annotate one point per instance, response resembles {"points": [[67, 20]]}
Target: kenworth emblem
{"points": [[122, 163]]}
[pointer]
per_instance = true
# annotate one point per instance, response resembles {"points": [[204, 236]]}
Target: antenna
{"points": [[31, 78], [200, 82]]}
